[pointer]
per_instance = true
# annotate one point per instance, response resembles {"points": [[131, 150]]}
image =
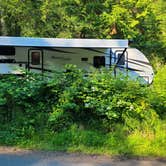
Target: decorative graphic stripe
{"points": [[146, 63], [129, 68], [55, 49], [136, 63], [94, 50]]}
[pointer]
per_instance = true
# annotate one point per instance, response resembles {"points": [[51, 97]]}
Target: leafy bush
{"points": [[102, 99], [158, 97], [98, 101], [22, 104]]}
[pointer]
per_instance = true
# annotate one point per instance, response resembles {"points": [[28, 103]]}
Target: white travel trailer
{"points": [[48, 54]]}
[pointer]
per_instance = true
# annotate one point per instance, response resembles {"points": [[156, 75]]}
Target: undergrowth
{"points": [[118, 142], [74, 112]]}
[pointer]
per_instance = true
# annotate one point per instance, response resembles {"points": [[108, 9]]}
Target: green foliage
{"points": [[98, 100], [59, 120], [73, 111], [22, 104], [142, 20], [101, 98], [144, 142], [158, 97]]}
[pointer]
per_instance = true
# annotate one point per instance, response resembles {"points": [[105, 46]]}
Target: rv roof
{"points": [[56, 42]]}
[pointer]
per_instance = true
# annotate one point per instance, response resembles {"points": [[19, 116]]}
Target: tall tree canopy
{"points": [[142, 20]]}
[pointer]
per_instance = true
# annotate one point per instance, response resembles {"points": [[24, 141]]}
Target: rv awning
{"points": [[56, 42]]}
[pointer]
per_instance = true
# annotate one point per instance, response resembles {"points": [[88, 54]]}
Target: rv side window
{"points": [[7, 60], [35, 58], [98, 61], [6, 50], [122, 59]]}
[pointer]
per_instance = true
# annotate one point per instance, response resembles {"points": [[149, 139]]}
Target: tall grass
{"points": [[145, 142]]}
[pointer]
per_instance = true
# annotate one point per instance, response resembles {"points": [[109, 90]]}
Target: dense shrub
{"points": [[23, 107], [101, 100], [97, 100], [158, 97]]}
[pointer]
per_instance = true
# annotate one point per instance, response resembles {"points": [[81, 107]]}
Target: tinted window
{"points": [[35, 57], [99, 61], [7, 60], [122, 59], [4, 50]]}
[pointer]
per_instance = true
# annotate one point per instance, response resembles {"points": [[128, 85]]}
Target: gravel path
{"points": [[18, 157]]}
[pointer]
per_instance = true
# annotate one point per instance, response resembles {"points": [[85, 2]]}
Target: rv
{"points": [[48, 54]]}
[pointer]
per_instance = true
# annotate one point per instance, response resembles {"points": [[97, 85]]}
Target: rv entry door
{"points": [[35, 60]]}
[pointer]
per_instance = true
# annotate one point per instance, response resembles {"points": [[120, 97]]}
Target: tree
{"points": [[141, 20]]}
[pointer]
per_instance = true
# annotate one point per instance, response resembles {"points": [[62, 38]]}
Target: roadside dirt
{"points": [[17, 157]]}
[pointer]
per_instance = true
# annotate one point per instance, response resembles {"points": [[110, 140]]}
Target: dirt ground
{"points": [[17, 157]]}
